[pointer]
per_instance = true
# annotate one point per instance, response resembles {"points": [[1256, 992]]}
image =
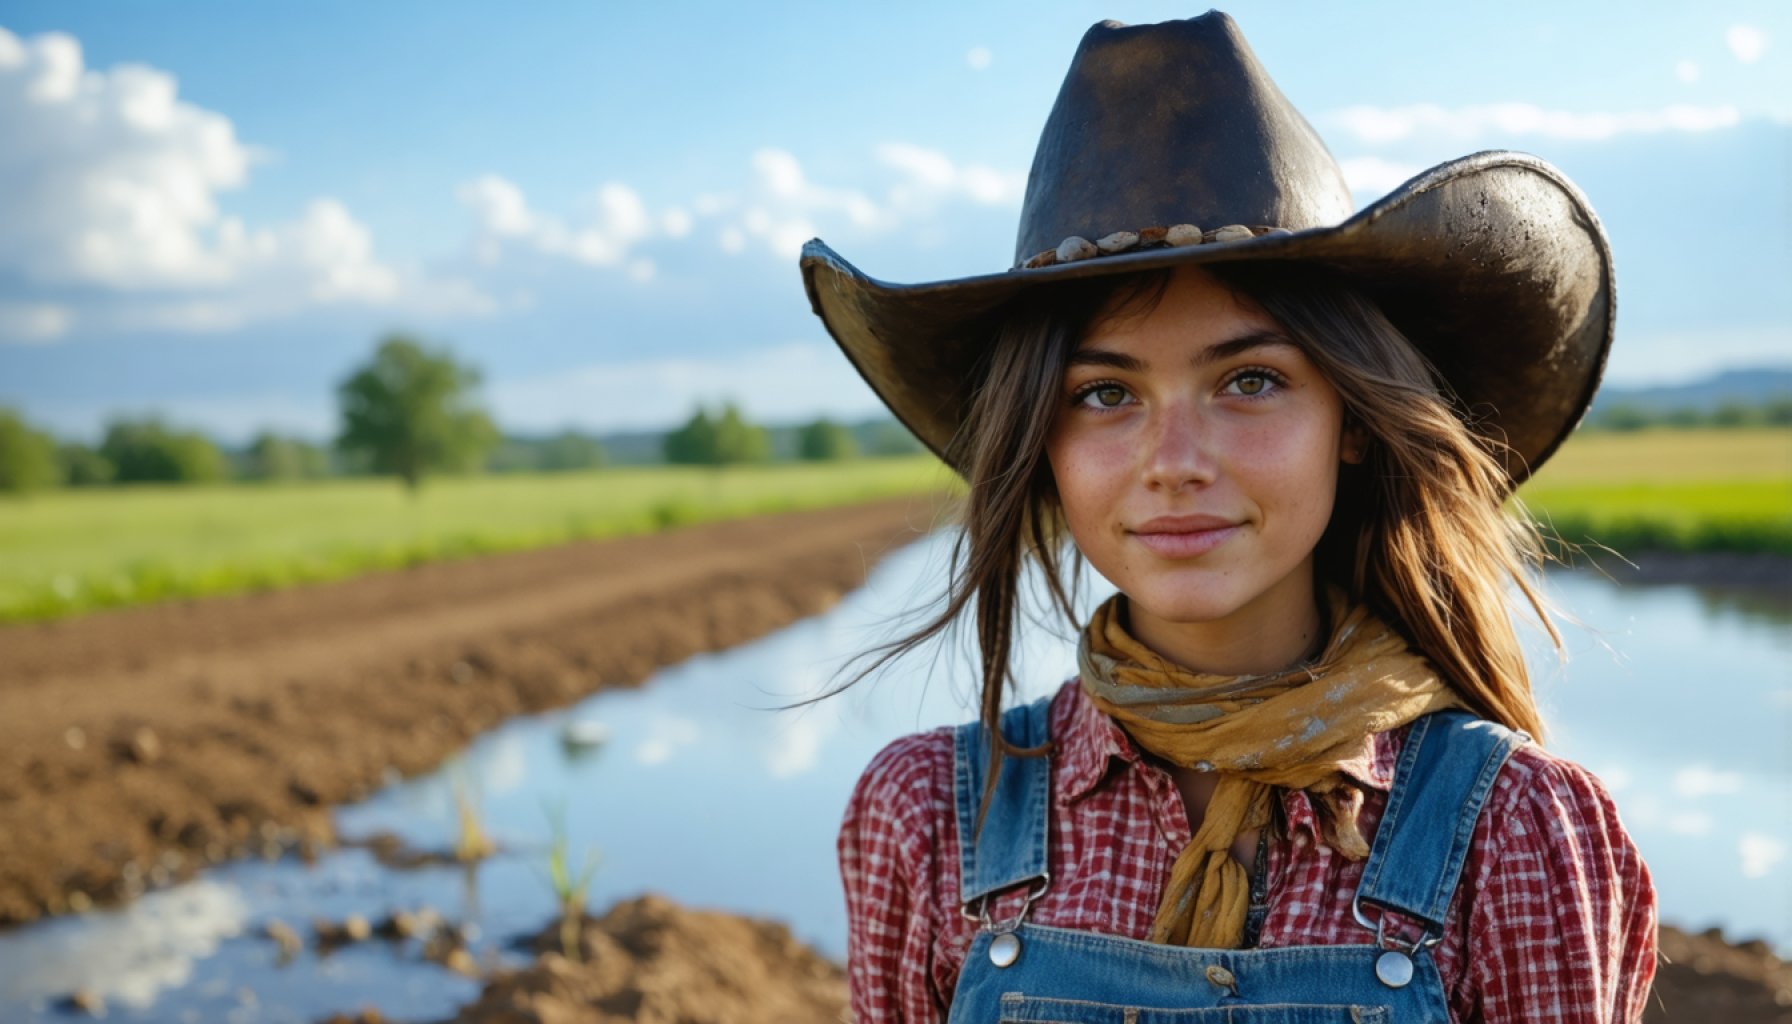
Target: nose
{"points": [[1177, 452]]}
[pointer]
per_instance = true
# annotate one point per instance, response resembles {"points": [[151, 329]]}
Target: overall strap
{"points": [[1011, 847], [1443, 777]]}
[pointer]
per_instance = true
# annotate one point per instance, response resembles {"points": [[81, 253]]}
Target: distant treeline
{"points": [[148, 450], [1620, 416], [409, 412]]}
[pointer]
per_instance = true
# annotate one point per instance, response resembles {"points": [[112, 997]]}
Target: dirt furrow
{"points": [[137, 746]]}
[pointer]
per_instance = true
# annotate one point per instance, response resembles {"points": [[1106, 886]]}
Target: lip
{"points": [[1183, 536]]}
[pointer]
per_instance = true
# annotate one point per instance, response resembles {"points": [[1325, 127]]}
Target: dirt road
{"points": [[137, 746]]}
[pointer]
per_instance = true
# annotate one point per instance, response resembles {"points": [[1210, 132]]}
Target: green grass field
{"points": [[1677, 490], [77, 550], [73, 551]]}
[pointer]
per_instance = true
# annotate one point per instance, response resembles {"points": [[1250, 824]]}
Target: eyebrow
{"points": [[1214, 353]]}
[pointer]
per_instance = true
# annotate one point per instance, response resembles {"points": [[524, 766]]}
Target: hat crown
{"points": [[1174, 123]]}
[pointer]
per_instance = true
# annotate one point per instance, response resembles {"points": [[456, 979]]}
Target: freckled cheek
{"points": [[1297, 473], [1090, 483]]}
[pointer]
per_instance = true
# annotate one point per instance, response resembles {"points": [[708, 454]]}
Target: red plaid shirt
{"points": [[1553, 921]]}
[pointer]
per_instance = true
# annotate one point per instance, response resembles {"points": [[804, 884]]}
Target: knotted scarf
{"points": [[1293, 729]]}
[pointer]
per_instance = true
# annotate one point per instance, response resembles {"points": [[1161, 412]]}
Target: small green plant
{"points": [[471, 843], [570, 888]]}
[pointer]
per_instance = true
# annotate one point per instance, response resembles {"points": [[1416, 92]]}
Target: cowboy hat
{"points": [[1170, 146]]}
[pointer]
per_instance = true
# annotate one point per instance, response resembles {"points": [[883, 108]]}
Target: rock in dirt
{"points": [[650, 960]]}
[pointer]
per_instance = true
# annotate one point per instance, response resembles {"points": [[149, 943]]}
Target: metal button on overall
{"points": [[1004, 949], [1223, 978], [1394, 968]]}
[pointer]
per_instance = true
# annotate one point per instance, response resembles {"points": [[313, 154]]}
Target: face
{"points": [[1196, 455]]}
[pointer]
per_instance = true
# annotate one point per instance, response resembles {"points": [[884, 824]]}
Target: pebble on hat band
{"points": [[1076, 247]]}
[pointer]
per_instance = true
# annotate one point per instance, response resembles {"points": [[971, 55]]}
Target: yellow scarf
{"points": [[1291, 729]]}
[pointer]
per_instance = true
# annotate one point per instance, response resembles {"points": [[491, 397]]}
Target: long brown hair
{"points": [[1417, 531]]}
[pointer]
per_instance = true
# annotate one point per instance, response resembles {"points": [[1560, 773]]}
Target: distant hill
{"points": [[1753, 386]]}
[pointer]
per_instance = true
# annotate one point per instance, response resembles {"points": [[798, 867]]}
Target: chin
{"points": [[1185, 604]]}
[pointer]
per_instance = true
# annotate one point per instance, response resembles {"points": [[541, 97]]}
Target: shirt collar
{"points": [[1091, 742]]}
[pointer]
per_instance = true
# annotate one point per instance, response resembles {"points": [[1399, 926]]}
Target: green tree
{"points": [[571, 450], [1778, 412], [1622, 417], [1736, 414], [891, 438], [1685, 417], [272, 457], [740, 441], [824, 440], [411, 410], [84, 467], [693, 444], [719, 440], [147, 451], [27, 457]]}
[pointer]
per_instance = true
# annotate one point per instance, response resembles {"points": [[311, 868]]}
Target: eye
{"points": [[1254, 383], [1100, 395]]}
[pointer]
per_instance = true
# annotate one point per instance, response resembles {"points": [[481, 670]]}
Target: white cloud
{"points": [[666, 735], [1700, 780], [796, 749], [1686, 71], [1378, 125], [675, 222], [1689, 823], [131, 955], [777, 383], [609, 224], [783, 207], [498, 204], [930, 176], [109, 187], [1617, 779], [1747, 42], [1373, 176], [979, 58], [110, 180], [33, 323], [1759, 853], [777, 208]]}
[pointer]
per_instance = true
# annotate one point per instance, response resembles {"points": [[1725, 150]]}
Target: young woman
{"points": [[1292, 781]]}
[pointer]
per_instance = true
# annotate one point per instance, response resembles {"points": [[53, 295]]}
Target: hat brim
{"points": [[1494, 265]]}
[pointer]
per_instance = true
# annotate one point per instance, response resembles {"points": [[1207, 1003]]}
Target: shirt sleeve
{"points": [[1563, 925], [889, 849]]}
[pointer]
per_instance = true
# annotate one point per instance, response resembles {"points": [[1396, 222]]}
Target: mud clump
{"points": [[1705, 977], [652, 961]]}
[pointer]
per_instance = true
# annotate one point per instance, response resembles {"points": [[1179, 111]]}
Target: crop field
{"points": [[1678, 490], [77, 550]]}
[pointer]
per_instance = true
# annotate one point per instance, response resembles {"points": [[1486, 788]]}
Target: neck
{"points": [[1242, 645]]}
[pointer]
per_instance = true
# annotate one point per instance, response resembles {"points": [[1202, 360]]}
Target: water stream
{"points": [[1680, 697]]}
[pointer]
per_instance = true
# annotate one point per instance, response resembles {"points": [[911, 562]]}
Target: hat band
{"points": [[1076, 247]]}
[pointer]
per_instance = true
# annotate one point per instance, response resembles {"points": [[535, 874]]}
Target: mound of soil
{"points": [[137, 746], [649, 960], [1705, 977]]}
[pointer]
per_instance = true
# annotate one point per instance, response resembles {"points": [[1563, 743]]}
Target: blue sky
{"points": [[213, 210]]}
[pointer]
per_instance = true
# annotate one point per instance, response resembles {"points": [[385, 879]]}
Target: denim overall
{"points": [[1017, 971]]}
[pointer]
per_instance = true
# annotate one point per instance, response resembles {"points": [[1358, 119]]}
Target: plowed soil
{"points": [[137, 746]]}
